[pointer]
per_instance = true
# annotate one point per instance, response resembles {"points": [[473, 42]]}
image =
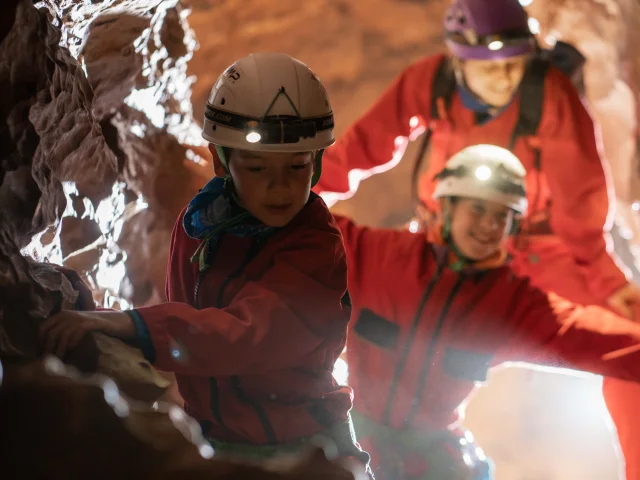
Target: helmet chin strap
{"points": [[317, 168], [462, 260], [228, 179]]}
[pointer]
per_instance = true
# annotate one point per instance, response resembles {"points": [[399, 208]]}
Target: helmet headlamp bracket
{"points": [[272, 129]]}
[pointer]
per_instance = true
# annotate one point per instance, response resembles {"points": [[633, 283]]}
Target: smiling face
{"points": [[478, 227], [272, 186], [494, 81]]}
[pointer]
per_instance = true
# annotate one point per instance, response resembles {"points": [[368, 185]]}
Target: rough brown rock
{"points": [[50, 138], [30, 292], [48, 124], [58, 424], [135, 55]]}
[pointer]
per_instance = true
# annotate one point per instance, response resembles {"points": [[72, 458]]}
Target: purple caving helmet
{"points": [[488, 29]]}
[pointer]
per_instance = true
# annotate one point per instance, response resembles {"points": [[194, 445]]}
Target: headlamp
{"points": [[492, 42], [272, 129], [499, 178]]}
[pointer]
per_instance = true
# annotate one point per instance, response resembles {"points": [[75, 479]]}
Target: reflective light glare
{"points": [[341, 372], [111, 392], [526, 3], [469, 436], [413, 122], [253, 137], [551, 40], [495, 45], [534, 25], [176, 414], [54, 365], [145, 101], [481, 455], [110, 275], [206, 451], [413, 226], [121, 408], [483, 173]]}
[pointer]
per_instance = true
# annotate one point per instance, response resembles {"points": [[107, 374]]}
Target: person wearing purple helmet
{"points": [[496, 86], [471, 30]]}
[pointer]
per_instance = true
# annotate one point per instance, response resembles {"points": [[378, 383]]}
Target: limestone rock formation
{"points": [[134, 54], [53, 146]]}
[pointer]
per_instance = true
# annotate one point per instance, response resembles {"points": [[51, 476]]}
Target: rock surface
{"points": [[56, 167], [80, 427]]}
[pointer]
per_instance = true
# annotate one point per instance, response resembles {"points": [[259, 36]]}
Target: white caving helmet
{"points": [[269, 102], [486, 172]]}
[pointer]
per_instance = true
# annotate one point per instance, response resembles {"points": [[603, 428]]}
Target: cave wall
{"points": [[133, 55], [48, 139]]}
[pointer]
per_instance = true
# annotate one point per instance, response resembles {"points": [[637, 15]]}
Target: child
{"points": [[432, 315], [257, 288]]}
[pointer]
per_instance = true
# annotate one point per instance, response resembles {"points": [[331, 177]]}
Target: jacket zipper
{"points": [[201, 275], [431, 349], [214, 400], [403, 360], [235, 380], [254, 249], [196, 289]]}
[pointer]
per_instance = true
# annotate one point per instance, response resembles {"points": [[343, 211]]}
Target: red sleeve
{"points": [[375, 259], [378, 140], [272, 323], [555, 332], [579, 182]]}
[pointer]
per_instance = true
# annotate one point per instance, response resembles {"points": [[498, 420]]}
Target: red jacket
{"points": [[254, 360], [571, 188], [422, 335]]}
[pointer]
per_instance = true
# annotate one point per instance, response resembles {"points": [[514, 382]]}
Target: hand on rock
{"points": [[64, 331]]}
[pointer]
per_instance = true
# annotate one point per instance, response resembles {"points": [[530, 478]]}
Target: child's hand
{"points": [[63, 331]]}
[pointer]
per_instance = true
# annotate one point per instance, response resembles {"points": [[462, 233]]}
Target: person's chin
{"points": [[276, 219], [478, 252], [476, 257], [500, 100], [277, 223]]}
